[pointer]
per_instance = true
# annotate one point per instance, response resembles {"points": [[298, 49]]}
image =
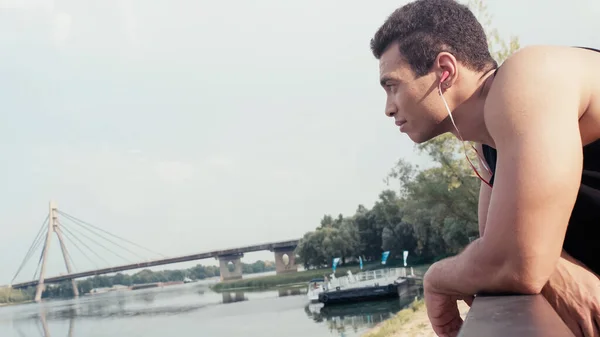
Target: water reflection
{"points": [[149, 313], [120, 304], [105, 310], [43, 323], [233, 297], [291, 292], [240, 295], [359, 316], [355, 317], [149, 297]]}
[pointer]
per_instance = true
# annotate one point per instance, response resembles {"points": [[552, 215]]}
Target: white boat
{"points": [[366, 278], [315, 287], [364, 286], [373, 278]]}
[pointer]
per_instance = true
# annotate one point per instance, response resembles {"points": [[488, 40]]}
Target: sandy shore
{"points": [[411, 322]]}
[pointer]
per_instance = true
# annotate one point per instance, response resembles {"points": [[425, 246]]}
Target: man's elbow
{"points": [[520, 278], [514, 273], [525, 282]]}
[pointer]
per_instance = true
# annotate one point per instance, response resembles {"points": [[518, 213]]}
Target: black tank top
{"points": [[582, 240]]}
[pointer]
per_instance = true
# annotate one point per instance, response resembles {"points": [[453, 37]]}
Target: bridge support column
{"points": [[236, 260], [53, 228], [40, 286], [61, 241], [285, 260]]}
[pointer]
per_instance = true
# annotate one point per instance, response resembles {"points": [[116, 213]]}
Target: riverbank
{"points": [[411, 322], [15, 303], [10, 296], [301, 277], [274, 281]]}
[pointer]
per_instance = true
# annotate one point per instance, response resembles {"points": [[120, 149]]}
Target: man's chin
{"points": [[423, 136], [418, 138]]}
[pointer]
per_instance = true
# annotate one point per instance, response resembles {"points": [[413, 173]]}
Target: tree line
{"points": [[64, 289], [432, 213]]}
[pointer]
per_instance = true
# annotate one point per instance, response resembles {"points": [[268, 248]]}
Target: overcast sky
{"points": [[190, 125]]}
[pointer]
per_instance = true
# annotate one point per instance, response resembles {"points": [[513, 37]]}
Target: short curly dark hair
{"points": [[424, 28]]}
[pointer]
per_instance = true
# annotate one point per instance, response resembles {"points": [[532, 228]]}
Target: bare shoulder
{"points": [[537, 85], [551, 60]]}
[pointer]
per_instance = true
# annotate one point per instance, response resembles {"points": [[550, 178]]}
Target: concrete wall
{"points": [[227, 275], [281, 266]]}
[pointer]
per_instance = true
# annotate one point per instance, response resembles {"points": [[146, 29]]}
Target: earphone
{"points": [[445, 75]]}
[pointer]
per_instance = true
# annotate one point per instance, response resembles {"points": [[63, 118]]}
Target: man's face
{"points": [[414, 103]]}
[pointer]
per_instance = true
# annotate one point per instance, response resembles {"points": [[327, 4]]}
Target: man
{"points": [[536, 121]]}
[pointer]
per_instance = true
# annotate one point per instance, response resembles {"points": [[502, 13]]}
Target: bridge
{"points": [[283, 253]]}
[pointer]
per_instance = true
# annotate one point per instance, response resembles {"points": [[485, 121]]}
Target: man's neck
{"points": [[468, 115]]}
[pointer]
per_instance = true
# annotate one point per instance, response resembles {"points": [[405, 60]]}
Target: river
{"points": [[192, 310]]}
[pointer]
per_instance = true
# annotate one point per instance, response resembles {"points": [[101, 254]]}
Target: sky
{"points": [[188, 126]]}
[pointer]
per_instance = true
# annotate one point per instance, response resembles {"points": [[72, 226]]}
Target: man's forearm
{"points": [[474, 271]]}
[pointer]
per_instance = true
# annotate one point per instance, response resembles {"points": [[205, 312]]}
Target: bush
{"points": [[9, 295]]}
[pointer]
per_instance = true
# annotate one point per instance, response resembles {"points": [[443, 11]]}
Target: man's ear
{"points": [[446, 66]]}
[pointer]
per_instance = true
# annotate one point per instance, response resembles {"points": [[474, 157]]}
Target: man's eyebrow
{"points": [[386, 78]]}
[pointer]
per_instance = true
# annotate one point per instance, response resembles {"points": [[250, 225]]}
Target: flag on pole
{"points": [[384, 256], [335, 263]]}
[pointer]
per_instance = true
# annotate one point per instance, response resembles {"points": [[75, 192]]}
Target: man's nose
{"points": [[390, 109]]}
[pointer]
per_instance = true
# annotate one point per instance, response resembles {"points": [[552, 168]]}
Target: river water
{"points": [[193, 310]]}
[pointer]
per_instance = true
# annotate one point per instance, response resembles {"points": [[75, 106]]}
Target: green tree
{"points": [[335, 238], [370, 233], [388, 217], [442, 195], [330, 222], [501, 49], [309, 251], [122, 279]]}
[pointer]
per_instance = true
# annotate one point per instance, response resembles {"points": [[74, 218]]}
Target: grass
{"points": [[9, 295], [274, 281], [391, 326], [412, 321]]}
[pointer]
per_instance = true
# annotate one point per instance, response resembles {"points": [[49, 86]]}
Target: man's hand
{"points": [[574, 292], [443, 313], [442, 308]]}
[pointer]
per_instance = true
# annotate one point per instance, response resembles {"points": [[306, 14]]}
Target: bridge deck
{"points": [[146, 264]]}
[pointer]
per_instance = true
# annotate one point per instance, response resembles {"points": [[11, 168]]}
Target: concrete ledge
{"points": [[514, 316]]}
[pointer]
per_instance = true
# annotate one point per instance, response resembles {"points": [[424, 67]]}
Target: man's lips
{"points": [[401, 123]]}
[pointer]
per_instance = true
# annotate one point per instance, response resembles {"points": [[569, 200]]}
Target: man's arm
{"points": [[485, 193], [532, 115]]}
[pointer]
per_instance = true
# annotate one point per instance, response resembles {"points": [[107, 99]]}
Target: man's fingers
{"points": [[451, 329], [469, 300], [588, 327], [596, 321], [572, 320], [573, 326]]}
